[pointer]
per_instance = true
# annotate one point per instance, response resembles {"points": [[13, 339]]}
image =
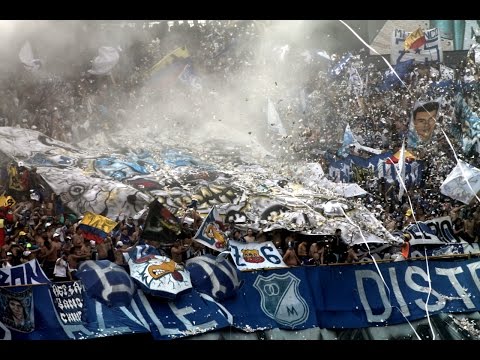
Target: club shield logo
{"points": [[281, 299]]}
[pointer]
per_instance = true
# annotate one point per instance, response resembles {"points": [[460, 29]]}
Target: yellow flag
{"points": [[98, 221], [181, 52], [415, 40]]}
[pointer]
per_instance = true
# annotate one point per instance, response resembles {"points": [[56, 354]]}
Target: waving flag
{"points": [[161, 225], [26, 57], [402, 68], [415, 40], [105, 61], [96, 227], [463, 183], [169, 68], [211, 233]]}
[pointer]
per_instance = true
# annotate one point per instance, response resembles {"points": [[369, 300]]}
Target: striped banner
{"points": [[96, 227]]}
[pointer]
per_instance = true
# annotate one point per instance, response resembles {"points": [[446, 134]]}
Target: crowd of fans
{"points": [[314, 102]]}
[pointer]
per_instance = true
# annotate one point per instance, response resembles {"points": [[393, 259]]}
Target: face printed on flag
{"points": [[422, 123]]}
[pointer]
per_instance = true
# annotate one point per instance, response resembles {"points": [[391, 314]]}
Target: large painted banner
{"points": [[251, 256], [332, 297], [431, 51]]}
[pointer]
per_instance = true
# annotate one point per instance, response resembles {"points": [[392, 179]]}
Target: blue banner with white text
{"points": [[332, 297]]}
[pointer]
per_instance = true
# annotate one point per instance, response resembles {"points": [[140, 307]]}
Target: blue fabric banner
{"points": [[332, 297]]}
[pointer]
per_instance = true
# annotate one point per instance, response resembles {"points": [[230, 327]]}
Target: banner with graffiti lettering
{"points": [[68, 299], [434, 231], [96, 227], [28, 273], [431, 51], [253, 256], [16, 309]]}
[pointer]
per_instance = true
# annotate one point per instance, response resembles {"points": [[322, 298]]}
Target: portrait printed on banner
{"points": [[423, 123], [16, 310]]}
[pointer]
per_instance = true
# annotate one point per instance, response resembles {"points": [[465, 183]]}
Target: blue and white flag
{"points": [[341, 64], [402, 69], [210, 233], [214, 275], [24, 274], [471, 127]]}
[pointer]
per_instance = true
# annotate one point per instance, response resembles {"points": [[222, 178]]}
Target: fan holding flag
{"points": [[415, 40]]}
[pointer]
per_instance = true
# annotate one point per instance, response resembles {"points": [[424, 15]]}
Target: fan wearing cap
{"points": [[7, 263], [408, 218], [120, 248], [27, 255]]}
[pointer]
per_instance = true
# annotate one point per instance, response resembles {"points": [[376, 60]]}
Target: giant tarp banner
{"points": [[354, 296], [331, 297]]}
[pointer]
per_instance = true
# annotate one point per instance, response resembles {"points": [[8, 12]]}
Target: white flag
{"points": [[105, 61], [26, 57], [274, 120]]}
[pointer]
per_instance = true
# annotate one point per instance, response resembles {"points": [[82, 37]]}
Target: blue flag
{"points": [[402, 68]]}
